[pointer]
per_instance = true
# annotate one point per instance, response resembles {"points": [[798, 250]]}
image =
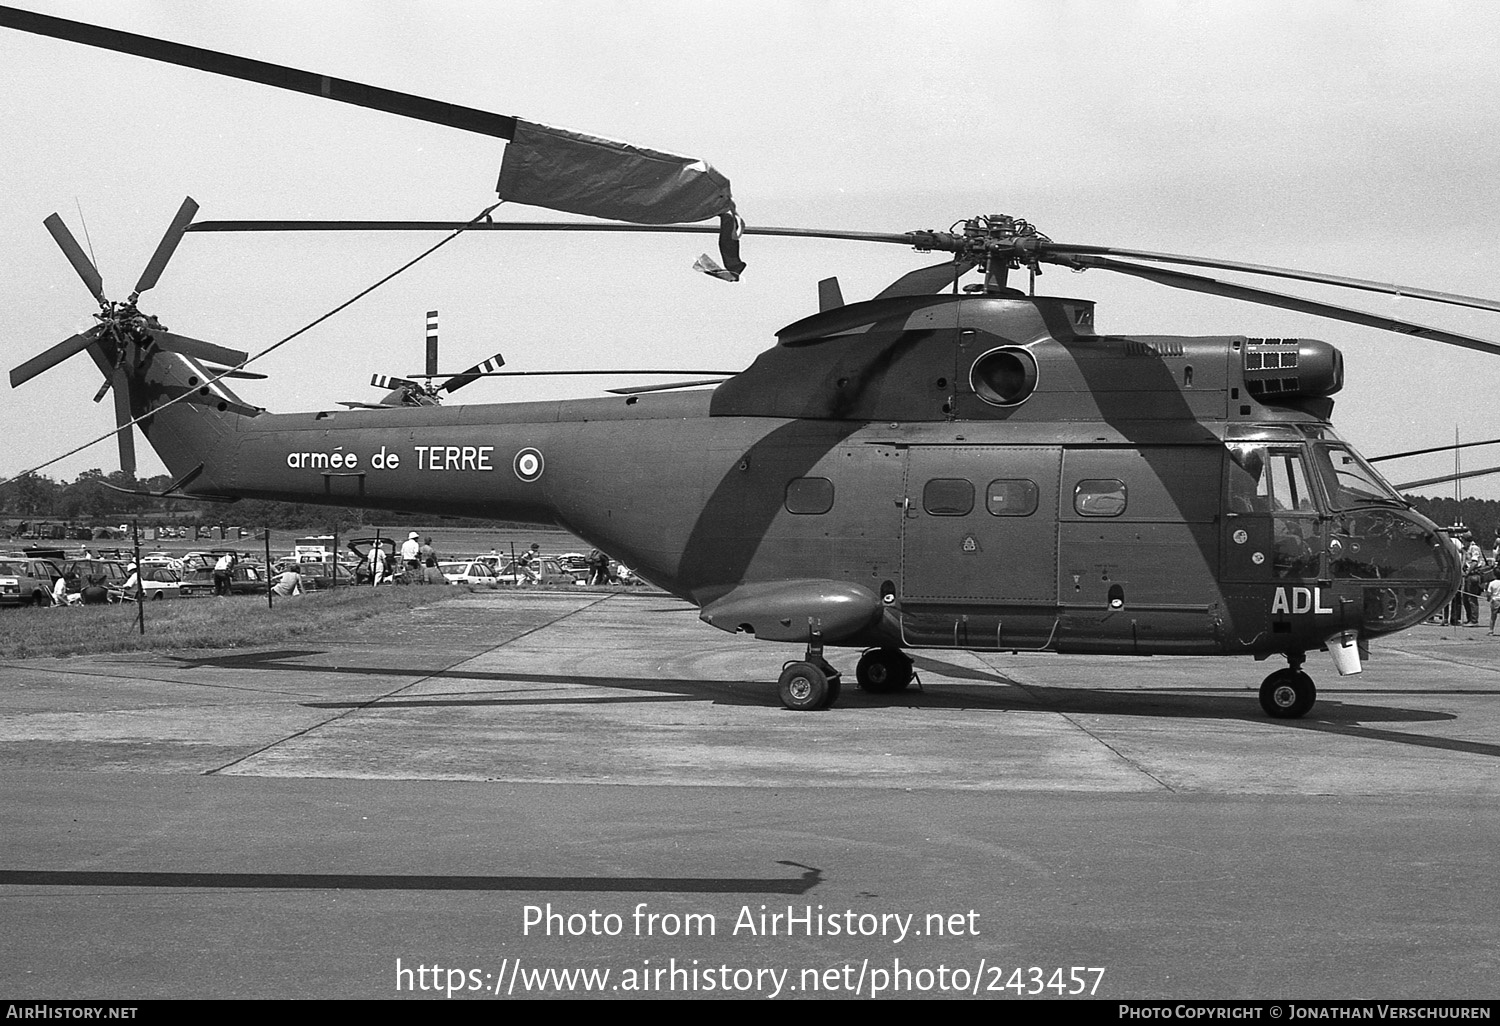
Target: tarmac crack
{"points": [[1127, 760], [409, 684], [1042, 706]]}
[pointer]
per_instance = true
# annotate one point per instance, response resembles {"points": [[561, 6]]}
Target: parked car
{"points": [[158, 582], [27, 582], [542, 570], [247, 579], [468, 571], [200, 558], [317, 576], [575, 563], [80, 572], [362, 547]]}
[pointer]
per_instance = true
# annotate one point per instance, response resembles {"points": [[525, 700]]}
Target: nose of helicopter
{"points": [[1409, 571]]}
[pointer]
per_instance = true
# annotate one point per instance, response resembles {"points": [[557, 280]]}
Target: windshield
{"points": [[1350, 481]]}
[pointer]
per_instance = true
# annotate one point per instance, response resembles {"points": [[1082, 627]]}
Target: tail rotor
{"points": [[126, 337]]}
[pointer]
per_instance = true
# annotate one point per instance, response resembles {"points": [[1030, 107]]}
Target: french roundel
{"points": [[529, 464]]}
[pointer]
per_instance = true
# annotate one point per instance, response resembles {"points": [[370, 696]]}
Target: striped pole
{"points": [[432, 335]]}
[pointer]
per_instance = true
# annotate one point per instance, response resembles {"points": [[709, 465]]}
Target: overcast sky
{"points": [[1356, 139]]}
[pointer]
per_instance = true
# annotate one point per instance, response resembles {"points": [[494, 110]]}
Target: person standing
{"points": [[411, 565], [427, 558], [1492, 593], [223, 574], [598, 567], [1473, 579], [377, 564]]}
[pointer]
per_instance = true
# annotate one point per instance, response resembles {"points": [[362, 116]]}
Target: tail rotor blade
{"points": [[122, 420], [57, 354], [166, 247], [474, 373], [387, 381], [76, 256]]}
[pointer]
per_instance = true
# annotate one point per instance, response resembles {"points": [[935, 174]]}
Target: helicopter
{"points": [[942, 466]]}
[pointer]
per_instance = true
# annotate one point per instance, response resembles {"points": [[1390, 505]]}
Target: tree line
{"points": [[88, 501], [37, 497]]}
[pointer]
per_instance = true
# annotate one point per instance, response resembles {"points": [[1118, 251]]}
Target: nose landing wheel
{"points": [[1287, 694], [813, 683], [807, 686]]}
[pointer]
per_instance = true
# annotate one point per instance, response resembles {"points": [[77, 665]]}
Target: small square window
{"points": [[948, 497], [1099, 497], [1011, 498], [809, 495]]}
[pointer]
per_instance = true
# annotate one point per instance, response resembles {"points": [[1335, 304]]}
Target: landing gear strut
{"points": [[812, 683], [1288, 694], [884, 671]]}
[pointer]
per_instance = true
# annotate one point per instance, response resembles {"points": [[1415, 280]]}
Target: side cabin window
{"points": [[1011, 498], [948, 497], [812, 495], [1099, 497], [1264, 479]]}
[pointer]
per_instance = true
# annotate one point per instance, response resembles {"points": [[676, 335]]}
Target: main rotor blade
{"points": [[576, 373], [640, 389], [1059, 252], [1214, 287], [422, 109], [57, 354], [919, 239], [123, 417], [205, 351], [926, 280], [1446, 478], [74, 252], [1424, 452], [165, 248]]}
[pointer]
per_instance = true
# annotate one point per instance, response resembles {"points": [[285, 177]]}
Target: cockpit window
{"points": [[1268, 478], [1349, 480]]}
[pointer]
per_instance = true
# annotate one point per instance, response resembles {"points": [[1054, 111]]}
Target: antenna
{"points": [[83, 221], [1458, 488]]}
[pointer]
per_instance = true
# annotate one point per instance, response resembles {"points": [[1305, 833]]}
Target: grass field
{"points": [[201, 623]]}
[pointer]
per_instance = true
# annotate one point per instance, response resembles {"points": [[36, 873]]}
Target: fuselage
{"points": [[979, 472]]}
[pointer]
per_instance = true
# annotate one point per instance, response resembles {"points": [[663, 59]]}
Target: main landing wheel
{"points": [[883, 671], [1287, 694], [805, 687]]}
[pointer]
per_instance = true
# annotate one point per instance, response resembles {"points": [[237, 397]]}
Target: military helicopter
{"points": [[941, 466]]}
